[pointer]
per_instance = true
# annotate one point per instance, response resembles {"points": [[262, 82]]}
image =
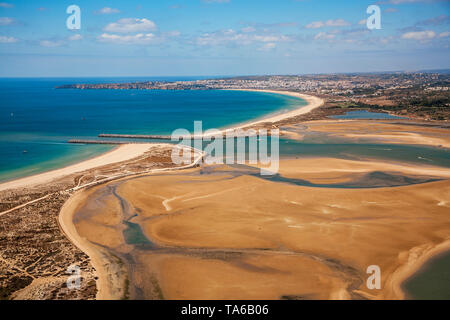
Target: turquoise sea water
{"points": [[36, 119], [39, 119]]}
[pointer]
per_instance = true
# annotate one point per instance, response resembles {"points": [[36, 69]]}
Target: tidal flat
{"points": [[310, 232]]}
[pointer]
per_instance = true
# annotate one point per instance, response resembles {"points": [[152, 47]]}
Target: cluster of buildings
{"points": [[330, 84]]}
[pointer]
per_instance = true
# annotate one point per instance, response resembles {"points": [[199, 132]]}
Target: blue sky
{"points": [[220, 37]]}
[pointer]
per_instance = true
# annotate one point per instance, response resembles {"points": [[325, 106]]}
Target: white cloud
{"points": [[226, 37], [337, 23], [174, 33], [324, 36], [419, 35], [386, 40], [268, 46], [436, 21], [328, 23], [75, 37], [363, 21], [5, 39], [315, 25], [265, 38], [6, 5], [4, 21], [444, 34], [50, 43], [108, 10], [139, 38], [248, 29], [129, 25]]}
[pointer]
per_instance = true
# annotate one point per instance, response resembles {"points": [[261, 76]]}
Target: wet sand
{"points": [[225, 233], [113, 281], [111, 273], [379, 131], [221, 233]]}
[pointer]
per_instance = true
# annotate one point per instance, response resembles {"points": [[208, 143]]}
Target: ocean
{"points": [[36, 120]]}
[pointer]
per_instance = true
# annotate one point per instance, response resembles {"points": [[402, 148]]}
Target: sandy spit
{"points": [[130, 151], [112, 276], [312, 103], [119, 154]]}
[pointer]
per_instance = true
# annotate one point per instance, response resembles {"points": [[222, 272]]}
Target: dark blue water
{"points": [[39, 119]]}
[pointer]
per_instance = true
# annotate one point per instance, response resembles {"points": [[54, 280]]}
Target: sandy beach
{"points": [[307, 242], [112, 274], [130, 151], [417, 257], [312, 103], [119, 154], [105, 264], [381, 131], [398, 259]]}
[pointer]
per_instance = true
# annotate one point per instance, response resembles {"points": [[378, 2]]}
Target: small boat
{"points": [[24, 151]]}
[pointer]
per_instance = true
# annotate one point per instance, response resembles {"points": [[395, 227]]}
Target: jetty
{"points": [[224, 135], [135, 136], [84, 141]]}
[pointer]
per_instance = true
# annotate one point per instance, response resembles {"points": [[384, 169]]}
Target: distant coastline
{"points": [[105, 265], [129, 151], [313, 102]]}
